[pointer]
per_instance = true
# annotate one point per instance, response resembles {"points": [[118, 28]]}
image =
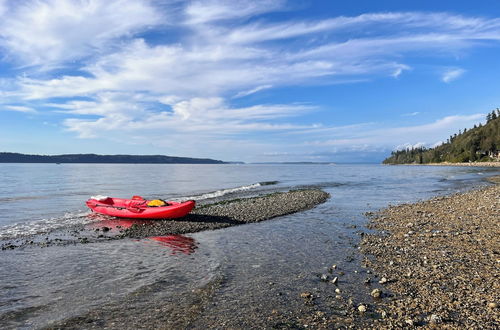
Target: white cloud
{"points": [[452, 74], [119, 114], [199, 12], [393, 137], [50, 33], [252, 91], [18, 108], [410, 146]]}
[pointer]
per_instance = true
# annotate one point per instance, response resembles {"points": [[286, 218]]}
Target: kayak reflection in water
{"points": [[104, 222], [177, 243]]}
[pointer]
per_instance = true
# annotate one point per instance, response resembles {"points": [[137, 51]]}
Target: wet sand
{"points": [[440, 258]]}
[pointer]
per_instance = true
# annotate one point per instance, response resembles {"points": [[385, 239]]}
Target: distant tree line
{"points": [[478, 144], [10, 157]]}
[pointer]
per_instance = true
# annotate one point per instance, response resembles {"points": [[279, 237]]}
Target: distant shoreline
{"points": [[11, 157]]}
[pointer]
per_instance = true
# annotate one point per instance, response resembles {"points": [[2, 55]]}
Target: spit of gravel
{"points": [[232, 213]]}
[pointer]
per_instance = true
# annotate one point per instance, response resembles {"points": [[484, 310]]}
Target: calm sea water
{"points": [[269, 261]]}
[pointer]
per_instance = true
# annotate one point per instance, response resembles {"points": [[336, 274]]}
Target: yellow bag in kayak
{"points": [[157, 202]]}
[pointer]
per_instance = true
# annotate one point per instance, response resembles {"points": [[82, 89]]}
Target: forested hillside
{"points": [[478, 144]]}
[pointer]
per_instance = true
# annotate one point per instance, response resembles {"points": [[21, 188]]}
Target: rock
{"points": [[324, 277], [435, 319], [306, 295], [383, 280], [337, 290], [376, 293], [362, 308], [335, 280]]}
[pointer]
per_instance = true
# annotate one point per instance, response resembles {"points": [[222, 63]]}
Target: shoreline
{"points": [[440, 259], [483, 164]]}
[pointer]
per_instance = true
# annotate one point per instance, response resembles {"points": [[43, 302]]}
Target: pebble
{"points": [[435, 319], [324, 277], [306, 295], [362, 308], [492, 305], [376, 293], [335, 280], [383, 280]]}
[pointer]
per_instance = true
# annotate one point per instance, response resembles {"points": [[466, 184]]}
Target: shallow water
{"points": [[263, 266]]}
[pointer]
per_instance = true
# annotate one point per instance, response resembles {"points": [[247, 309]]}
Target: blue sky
{"points": [[253, 81]]}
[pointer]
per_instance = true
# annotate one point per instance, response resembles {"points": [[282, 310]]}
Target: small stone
{"points": [[435, 319], [367, 280], [334, 267], [337, 290], [383, 314], [320, 313], [306, 295], [362, 308], [492, 305], [335, 280], [383, 280], [324, 277], [376, 293]]}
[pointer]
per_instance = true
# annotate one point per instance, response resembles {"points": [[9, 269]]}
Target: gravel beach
{"points": [[440, 258], [233, 212]]}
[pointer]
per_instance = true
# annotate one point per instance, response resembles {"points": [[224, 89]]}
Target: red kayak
{"points": [[138, 208]]}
